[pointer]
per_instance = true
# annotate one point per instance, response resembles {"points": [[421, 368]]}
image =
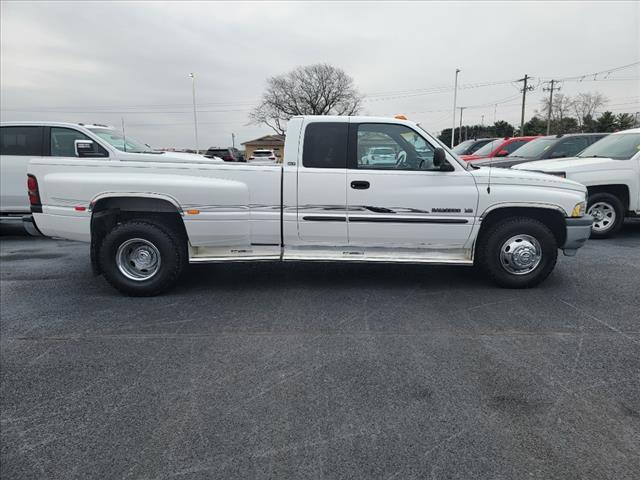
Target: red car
{"points": [[500, 147]]}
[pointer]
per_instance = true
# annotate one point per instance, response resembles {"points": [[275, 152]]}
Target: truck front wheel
{"points": [[607, 212], [141, 258], [518, 252]]}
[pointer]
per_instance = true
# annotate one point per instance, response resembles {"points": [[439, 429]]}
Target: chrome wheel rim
{"points": [[521, 254], [604, 216], [138, 259]]}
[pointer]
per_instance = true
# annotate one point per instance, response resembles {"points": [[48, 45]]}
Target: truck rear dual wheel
{"points": [[519, 252], [608, 214], [142, 258]]}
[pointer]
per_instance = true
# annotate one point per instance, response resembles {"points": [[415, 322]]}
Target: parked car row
{"points": [[542, 148], [607, 164], [229, 154]]}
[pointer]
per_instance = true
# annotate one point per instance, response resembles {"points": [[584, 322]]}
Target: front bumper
{"points": [[578, 231]]}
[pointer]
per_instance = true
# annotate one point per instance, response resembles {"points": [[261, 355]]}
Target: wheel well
{"points": [[554, 219], [620, 191], [108, 212]]}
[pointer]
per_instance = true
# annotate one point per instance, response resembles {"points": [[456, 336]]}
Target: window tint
{"points": [[325, 145], [62, 142], [464, 147], [392, 147], [620, 146], [21, 141], [570, 147], [513, 146], [489, 147]]}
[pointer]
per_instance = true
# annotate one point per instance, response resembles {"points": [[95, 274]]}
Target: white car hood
{"points": [[564, 164], [520, 177]]}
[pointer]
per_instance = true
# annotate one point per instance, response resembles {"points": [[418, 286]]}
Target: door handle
{"points": [[359, 185]]}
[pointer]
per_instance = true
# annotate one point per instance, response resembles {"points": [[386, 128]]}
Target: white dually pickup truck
{"points": [[147, 219]]}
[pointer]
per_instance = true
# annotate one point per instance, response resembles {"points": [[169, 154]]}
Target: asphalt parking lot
{"points": [[320, 371]]}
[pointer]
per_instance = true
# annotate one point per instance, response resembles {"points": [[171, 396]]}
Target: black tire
{"points": [[600, 228], [489, 245], [170, 245]]}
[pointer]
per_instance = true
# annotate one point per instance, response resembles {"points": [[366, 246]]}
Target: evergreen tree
{"points": [[624, 121], [606, 122]]}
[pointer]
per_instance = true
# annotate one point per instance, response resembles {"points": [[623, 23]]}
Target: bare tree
{"points": [[319, 89], [585, 105], [562, 105]]}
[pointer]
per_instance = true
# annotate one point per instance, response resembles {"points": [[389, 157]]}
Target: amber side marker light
{"points": [[193, 212], [400, 117]]}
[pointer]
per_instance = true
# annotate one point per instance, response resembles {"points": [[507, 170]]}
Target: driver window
{"points": [[62, 143], [392, 147]]}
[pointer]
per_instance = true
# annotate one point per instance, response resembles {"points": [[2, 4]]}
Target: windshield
{"points": [[488, 148], [461, 148], [116, 140], [262, 153], [534, 148], [621, 146]]}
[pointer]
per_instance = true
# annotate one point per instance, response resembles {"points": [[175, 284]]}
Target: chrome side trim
{"points": [[345, 258]]}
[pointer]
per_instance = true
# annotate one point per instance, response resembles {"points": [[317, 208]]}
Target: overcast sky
{"points": [[98, 62]]}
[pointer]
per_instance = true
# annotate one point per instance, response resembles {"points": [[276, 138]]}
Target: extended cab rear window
{"points": [[24, 141], [325, 145]]}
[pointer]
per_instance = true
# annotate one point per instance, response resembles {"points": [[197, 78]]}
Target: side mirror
{"points": [[502, 153], [440, 160], [85, 148]]}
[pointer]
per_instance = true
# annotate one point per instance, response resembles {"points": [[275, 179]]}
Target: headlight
{"points": [[579, 210]]}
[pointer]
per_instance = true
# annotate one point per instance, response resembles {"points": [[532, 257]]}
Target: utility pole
{"points": [[460, 129], [495, 111], [525, 88], [233, 140], [195, 116], [550, 89], [482, 121], [455, 98]]}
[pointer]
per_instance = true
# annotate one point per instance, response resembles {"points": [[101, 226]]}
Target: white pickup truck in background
{"points": [[147, 218], [24, 141], [610, 169]]}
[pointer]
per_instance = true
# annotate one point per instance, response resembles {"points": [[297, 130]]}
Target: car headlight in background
{"points": [[579, 210]]}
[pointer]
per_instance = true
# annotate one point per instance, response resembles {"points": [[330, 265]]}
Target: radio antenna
{"points": [[490, 169], [124, 135]]}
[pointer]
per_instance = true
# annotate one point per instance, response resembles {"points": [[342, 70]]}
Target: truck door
{"points": [[322, 197], [404, 201]]}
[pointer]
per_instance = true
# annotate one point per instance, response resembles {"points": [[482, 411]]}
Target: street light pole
{"points": [[455, 98], [460, 129], [195, 115]]}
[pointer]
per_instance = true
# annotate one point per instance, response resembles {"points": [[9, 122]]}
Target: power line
{"points": [[601, 72]]}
